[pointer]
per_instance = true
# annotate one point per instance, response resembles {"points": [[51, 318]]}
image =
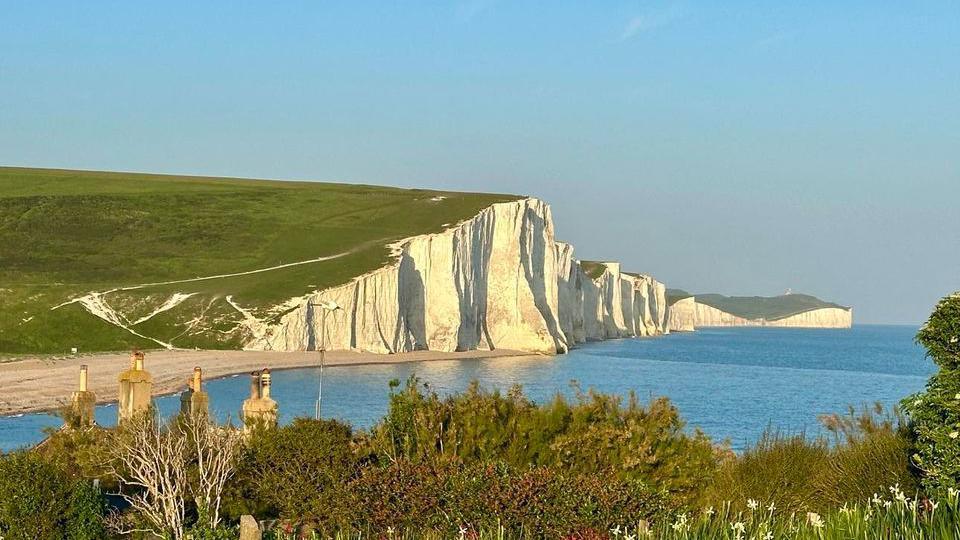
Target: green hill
{"points": [[675, 295], [765, 307], [64, 234]]}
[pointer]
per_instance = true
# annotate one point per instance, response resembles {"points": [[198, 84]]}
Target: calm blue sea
{"points": [[731, 382]]}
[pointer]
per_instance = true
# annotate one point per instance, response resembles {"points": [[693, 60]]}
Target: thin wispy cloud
{"points": [[468, 9], [776, 39], [651, 20]]}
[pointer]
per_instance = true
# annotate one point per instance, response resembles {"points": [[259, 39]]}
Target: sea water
{"points": [[732, 383]]}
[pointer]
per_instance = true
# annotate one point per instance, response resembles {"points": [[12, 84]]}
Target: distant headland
{"points": [[790, 310]]}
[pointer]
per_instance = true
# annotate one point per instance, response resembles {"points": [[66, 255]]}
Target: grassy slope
{"points": [[65, 233], [593, 269], [675, 295], [760, 307]]}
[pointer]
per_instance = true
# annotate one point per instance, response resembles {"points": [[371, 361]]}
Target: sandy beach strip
{"points": [[43, 384]]}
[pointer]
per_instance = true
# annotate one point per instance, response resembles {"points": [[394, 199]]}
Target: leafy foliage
{"points": [[935, 412], [40, 501], [297, 471], [595, 434], [449, 495]]}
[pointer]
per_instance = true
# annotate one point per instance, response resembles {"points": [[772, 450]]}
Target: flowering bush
{"points": [[935, 412]]}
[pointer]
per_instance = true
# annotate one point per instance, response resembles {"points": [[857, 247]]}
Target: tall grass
{"points": [[865, 451]]}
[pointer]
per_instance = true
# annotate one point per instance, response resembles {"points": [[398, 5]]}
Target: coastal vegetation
{"points": [[593, 269], [486, 464]]}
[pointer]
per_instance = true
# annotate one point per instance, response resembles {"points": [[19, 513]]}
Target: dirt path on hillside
{"points": [[41, 384]]}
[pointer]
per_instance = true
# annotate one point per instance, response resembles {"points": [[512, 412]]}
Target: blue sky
{"points": [[730, 147]]}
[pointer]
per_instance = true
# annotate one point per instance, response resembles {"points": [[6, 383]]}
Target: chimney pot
{"points": [[265, 383], [255, 385]]}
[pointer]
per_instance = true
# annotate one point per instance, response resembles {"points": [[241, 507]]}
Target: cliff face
{"points": [[817, 318], [496, 281], [688, 314], [614, 305], [704, 315], [683, 315]]}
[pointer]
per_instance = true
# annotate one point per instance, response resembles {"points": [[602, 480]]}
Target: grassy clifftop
{"points": [[593, 269], [675, 295], [181, 245]]}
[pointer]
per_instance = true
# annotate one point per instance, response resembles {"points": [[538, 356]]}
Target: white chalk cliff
{"points": [[688, 314], [496, 281], [683, 315]]}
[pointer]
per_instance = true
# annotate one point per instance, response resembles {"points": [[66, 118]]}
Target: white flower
{"points": [[390, 531], [917, 402], [887, 504], [630, 537], [768, 536], [738, 527], [615, 531], [952, 492], [954, 434], [708, 511], [752, 504], [771, 508], [957, 396], [463, 531], [814, 519]]}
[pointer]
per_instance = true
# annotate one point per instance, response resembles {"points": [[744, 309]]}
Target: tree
{"points": [[935, 412], [162, 468], [214, 452], [297, 471], [149, 462]]}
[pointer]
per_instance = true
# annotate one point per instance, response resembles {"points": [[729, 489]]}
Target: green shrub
{"points": [[595, 434], [450, 496], [81, 452], [935, 413], [40, 501], [297, 471], [201, 532]]}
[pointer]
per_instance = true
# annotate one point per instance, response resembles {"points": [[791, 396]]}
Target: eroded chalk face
{"points": [[496, 281]]}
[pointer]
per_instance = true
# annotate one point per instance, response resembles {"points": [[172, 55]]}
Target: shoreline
{"points": [[37, 385]]}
